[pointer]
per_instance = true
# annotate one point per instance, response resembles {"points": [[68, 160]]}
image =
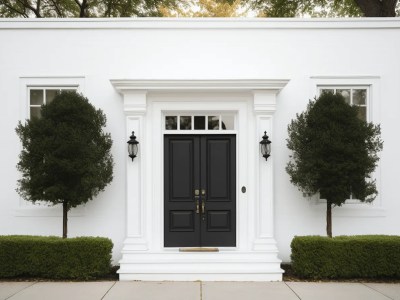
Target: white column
{"points": [[136, 235], [264, 108]]}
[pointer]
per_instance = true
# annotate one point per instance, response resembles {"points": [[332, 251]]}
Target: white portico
{"points": [[252, 103]]}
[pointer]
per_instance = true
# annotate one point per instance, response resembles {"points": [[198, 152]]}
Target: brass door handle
{"points": [[197, 205], [197, 199], [203, 207]]}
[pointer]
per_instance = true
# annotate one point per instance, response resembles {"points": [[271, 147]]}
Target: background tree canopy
{"points": [[84, 8], [198, 8], [324, 8]]}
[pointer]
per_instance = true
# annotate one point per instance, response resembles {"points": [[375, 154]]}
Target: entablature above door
{"points": [[135, 91]]}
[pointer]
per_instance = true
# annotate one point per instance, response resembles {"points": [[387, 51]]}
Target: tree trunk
{"points": [[65, 219], [329, 218], [377, 8]]}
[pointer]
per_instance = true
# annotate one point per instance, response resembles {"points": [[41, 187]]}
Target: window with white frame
{"points": [[353, 95], [43, 95]]}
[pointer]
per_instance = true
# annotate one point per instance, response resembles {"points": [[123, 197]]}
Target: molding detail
{"points": [[199, 23], [129, 85], [144, 257]]}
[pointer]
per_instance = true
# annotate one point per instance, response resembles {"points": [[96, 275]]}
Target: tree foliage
{"points": [[207, 8], [84, 8], [324, 8], [197, 8], [333, 152], [65, 157]]}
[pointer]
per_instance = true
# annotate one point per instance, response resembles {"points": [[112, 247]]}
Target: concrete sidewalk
{"points": [[198, 290]]}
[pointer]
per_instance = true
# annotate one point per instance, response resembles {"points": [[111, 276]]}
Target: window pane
{"points": [[50, 94], [171, 122], [199, 122], [36, 112], [228, 122], [345, 94], [213, 122], [185, 123], [359, 96], [362, 113], [36, 97], [327, 91]]}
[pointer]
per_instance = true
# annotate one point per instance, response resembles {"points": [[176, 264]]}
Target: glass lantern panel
{"points": [[213, 122], [132, 149], [36, 97], [185, 123], [199, 122], [171, 122]]}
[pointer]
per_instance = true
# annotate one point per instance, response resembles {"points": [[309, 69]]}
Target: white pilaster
{"points": [[135, 106], [264, 108]]}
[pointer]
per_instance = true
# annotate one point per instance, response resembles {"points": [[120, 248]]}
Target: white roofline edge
{"points": [[198, 23]]}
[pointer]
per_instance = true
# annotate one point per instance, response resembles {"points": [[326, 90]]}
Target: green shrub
{"points": [[54, 257], [367, 256]]}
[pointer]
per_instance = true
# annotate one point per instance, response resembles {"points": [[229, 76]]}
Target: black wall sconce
{"points": [[133, 146], [265, 146]]}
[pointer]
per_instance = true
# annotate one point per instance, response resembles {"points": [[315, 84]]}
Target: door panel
{"points": [[206, 163], [218, 178], [217, 169], [181, 163], [181, 173]]}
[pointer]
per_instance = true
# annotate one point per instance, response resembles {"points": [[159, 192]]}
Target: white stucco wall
{"points": [[306, 52]]}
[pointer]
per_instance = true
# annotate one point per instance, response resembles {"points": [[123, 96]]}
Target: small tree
{"points": [[66, 155], [334, 153]]}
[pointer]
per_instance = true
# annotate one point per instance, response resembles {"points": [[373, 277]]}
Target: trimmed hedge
{"points": [[54, 257], [365, 256]]}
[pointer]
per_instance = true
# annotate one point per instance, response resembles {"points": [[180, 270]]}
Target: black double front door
{"points": [[199, 190]]}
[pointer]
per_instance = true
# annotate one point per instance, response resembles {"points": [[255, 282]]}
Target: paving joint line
{"points": [[363, 283], [292, 290], [201, 290], [108, 290], [33, 283]]}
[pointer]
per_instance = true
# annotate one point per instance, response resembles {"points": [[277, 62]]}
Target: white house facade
{"points": [[199, 201]]}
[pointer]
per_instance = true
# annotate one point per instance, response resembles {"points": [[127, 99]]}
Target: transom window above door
{"points": [[211, 122]]}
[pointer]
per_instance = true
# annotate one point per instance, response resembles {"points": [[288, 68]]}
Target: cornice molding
{"points": [[131, 85], [199, 23]]}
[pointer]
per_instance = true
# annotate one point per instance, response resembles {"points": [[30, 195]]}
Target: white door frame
{"points": [[144, 257]]}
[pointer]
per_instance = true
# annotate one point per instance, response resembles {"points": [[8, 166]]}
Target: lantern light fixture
{"points": [[265, 146], [133, 146]]}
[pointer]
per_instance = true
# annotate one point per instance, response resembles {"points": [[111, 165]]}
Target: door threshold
{"points": [[199, 249]]}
